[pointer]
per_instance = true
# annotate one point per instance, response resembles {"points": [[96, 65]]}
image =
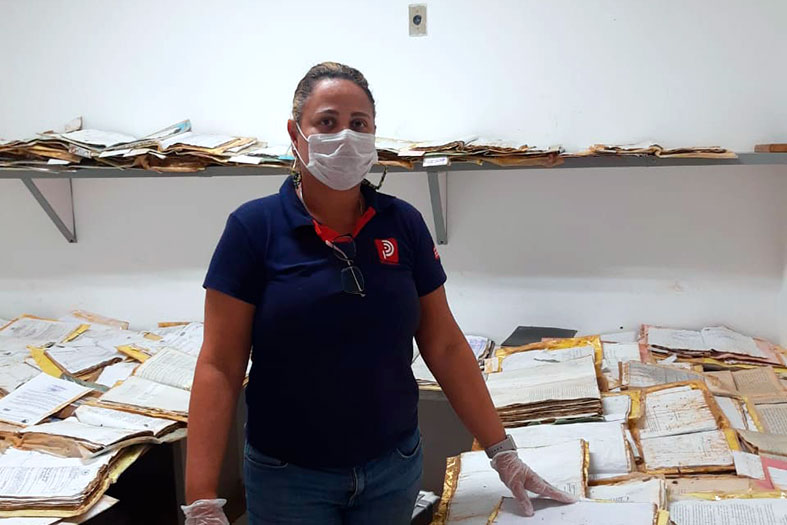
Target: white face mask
{"points": [[339, 160]]}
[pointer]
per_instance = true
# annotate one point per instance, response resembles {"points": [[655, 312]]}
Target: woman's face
{"points": [[334, 105]]}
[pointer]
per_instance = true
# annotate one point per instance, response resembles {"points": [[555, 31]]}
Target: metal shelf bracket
{"points": [[56, 197], [437, 193]]}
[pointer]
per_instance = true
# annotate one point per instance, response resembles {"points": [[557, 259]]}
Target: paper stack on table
{"points": [[552, 391], [718, 343]]}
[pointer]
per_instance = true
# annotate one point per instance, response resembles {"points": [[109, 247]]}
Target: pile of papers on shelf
{"points": [[176, 148], [395, 152], [650, 148], [694, 430]]}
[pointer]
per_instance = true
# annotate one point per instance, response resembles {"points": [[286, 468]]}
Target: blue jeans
{"points": [[380, 492]]}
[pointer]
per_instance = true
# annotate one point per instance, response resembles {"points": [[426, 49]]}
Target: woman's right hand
{"points": [[206, 512]]}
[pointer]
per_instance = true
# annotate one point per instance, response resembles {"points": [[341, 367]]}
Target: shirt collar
{"points": [[297, 216]]}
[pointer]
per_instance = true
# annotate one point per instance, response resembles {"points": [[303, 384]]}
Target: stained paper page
{"points": [[674, 411], [479, 488], [117, 372], [39, 397], [761, 385], [568, 380], [580, 513], [77, 360], [169, 367], [719, 484], [142, 393], [724, 378], [702, 449], [531, 358], [649, 491], [676, 339], [606, 442], [13, 376], [640, 375], [749, 465], [724, 340], [754, 511], [106, 417], [765, 443], [733, 411], [773, 417], [38, 331]]}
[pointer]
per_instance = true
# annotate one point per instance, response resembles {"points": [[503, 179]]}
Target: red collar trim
{"points": [[328, 235]]}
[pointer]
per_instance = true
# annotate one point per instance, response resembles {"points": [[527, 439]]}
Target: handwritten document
{"points": [[755, 511], [701, 449], [169, 367], [674, 411], [145, 394]]}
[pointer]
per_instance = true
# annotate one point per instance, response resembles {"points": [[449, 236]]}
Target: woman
{"points": [[329, 281]]}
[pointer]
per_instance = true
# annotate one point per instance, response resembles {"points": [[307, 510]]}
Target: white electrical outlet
{"points": [[417, 20]]}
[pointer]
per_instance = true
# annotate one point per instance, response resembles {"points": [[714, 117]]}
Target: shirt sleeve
{"points": [[235, 269], [427, 269]]}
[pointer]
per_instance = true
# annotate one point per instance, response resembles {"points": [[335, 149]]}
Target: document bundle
{"points": [[82, 398], [676, 424]]}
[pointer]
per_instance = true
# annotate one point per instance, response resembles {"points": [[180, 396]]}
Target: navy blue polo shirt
{"points": [[330, 383]]}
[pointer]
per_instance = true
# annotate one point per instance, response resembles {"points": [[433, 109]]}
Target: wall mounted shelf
{"points": [[53, 188]]}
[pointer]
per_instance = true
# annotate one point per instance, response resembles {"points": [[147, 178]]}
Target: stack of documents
{"points": [[160, 386], [718, 343], [559, 391], [681, 429], [36, 484], [93, 430]]}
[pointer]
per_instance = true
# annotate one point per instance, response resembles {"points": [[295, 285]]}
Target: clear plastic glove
{"points": [[206, 512], [519, 478]]}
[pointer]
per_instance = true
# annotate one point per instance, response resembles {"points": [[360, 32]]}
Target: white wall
{"points": [[591, 249]]}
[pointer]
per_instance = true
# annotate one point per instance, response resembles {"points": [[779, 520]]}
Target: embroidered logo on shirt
{"points": [[387, 250]]}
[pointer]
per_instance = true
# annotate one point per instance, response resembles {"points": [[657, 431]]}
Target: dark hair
{"points": [[326, 70]]}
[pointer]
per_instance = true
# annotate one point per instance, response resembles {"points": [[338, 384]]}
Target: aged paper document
{"points": [[580, 513], [674, 411], [146, 395], [701, 449], [169, 367], [755, 511], [39, 397]]}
